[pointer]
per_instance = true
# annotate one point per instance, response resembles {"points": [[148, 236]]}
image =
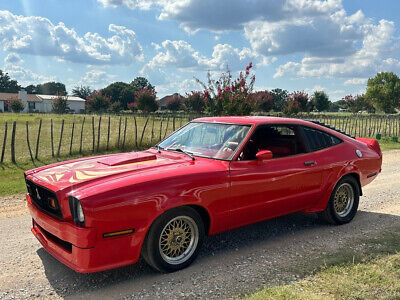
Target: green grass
{"points": [[117, 141], [373, 273]]}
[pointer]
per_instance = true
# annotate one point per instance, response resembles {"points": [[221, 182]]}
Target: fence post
{"points": [[152, 131], [136, 132], [98, 135], [93, 135], [108, 132], [119, 132], [159, 139], [123, 141], [52, 137], [61, 136], [27, 140], [144, 128], [37, 140], [4, 143], [80, 144], [13, 142], [72, 137], [166, 127]]}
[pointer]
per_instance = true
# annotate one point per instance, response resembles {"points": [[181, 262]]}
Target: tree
{"points": [[146, 100], [82, 91], [98, 103], [227, 96], [16, 105], [115, 107], [359, 103], [120, 92], [60, 105], [321, 101], [301, 98], [263, 100], [384, 90], [279, 98], [7, 85], [292, 107], [31, 89], [51, 88], [174, 103], [194, 102], [139, 83]]}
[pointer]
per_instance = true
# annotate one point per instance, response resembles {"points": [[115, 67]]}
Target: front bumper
{"points": [[81, 248]]}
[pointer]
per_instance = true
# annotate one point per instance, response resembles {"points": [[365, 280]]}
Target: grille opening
{"points": [[40, 197], [63, 244]]}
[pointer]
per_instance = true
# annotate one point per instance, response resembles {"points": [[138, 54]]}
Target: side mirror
{"points": [[264, 155]]}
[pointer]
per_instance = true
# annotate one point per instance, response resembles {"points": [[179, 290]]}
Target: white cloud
{"points": [[13, 58], [356, 81], [39, 36], [96, 78], [132, 4], [379, 52], [182, 55], [25, 76]]}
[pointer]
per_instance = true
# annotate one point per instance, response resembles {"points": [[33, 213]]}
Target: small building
{"points": [[162, 103], [40, 103]]}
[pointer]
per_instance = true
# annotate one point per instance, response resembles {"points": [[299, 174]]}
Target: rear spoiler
{"points": [[371, 143]]}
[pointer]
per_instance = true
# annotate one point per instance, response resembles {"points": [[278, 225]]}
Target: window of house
{"points": [[318, 140]]}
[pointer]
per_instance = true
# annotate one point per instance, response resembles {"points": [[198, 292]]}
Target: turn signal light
{"points": [[117, 233]]}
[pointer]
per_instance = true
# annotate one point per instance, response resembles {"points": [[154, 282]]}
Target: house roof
{"points": [[163, 101], [10, 96], [51, 97]]}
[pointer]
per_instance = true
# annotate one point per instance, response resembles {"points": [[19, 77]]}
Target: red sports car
{"points": [[211, 175]]}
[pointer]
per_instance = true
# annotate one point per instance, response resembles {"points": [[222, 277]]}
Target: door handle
{"points": [[310, 162]]}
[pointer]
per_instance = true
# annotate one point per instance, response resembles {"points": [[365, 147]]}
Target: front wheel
{"points": [[343, 203], [174, 240]]}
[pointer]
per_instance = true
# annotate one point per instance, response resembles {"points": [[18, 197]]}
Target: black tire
{"points": [[159, 258], [335, 215]]}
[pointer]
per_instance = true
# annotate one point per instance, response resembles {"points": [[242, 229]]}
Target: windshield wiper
{"points": [[182, 151]]}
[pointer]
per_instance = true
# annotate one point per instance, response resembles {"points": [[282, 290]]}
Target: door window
{"points": [[282, 140]]}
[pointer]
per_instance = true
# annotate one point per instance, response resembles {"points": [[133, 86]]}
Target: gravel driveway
{"points": [[230, 264]]}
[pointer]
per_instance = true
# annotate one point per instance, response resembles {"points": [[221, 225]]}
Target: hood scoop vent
{"points": [[126, 158]]}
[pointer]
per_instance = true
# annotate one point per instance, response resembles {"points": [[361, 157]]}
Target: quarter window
{"points": [[318, 140]]}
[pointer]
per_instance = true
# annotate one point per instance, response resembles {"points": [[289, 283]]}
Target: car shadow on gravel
{"points": [[218, 251]]}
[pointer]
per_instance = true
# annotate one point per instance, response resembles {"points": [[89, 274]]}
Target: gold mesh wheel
{"points": [[178, 240], [344, 200]]}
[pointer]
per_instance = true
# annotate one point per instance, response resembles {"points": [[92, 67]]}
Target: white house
{"points": [[40, 103]]}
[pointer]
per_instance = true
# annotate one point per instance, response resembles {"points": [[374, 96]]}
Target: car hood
{"points": [[76, 173]]}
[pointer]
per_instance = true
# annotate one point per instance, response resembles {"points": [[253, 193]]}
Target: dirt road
{"points": [[229, 265]]}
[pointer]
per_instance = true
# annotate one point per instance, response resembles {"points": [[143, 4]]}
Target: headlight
{"points": [[76, 211]]}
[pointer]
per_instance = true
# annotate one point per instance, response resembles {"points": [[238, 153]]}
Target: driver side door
{"points": [[266, 189]]}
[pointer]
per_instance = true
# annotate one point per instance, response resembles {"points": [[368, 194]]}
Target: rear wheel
{"points": [[343, 202], [174, 240]]}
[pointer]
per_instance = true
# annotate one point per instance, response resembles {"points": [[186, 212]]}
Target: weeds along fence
{"points": [[31, 137], [35, 137]]}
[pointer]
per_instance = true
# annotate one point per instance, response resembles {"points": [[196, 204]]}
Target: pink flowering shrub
{"points": [[16, 105], [145, 100], [98, 103], [300, 97], [263, 100], [229, 97], [194, 102]]}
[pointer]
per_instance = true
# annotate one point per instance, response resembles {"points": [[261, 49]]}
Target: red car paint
{"points": [[130, 190]]}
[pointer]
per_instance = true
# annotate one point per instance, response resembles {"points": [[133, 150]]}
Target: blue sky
{"points": [[304, 45]]}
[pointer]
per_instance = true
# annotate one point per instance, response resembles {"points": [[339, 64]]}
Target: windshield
{"points": [[213, 140]]}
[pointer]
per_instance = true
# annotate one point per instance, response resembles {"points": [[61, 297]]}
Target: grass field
{"points": [[12, 174], [373, 273], [123, 135]]}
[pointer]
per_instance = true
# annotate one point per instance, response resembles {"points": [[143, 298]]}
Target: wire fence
{"points": [[31, 137]]}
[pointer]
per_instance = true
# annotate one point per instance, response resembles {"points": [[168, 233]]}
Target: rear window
{"points": [[318, 140]]}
